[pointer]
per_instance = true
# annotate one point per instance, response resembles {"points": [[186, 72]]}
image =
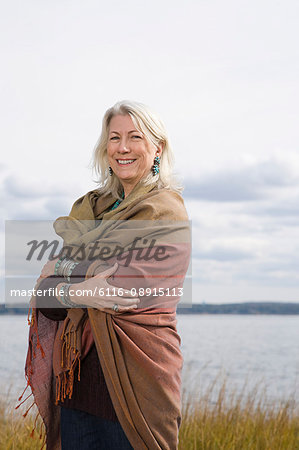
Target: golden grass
{"points": [[221, 419], [15, 429], [216, 419]]}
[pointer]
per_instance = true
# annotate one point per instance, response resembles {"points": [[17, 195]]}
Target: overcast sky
{"points": [[224, 78]]}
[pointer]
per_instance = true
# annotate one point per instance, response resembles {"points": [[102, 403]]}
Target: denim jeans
{"points": [[83, 431]]}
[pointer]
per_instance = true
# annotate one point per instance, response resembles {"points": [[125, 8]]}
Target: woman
{"points": [[105, 368]]}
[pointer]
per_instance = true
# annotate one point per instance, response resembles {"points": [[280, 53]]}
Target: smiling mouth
{"points": [[125, 162]]}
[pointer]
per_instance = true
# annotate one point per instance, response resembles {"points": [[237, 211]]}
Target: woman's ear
{"points": [[160, 148]]}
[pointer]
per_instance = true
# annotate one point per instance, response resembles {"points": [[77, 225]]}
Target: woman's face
{"points": [[130, 155]]}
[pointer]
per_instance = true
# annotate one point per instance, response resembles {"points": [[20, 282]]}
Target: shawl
{"points": [[139, 351]]}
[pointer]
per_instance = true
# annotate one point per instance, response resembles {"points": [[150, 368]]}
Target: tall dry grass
{"points": [[15, 430], [220, 418], [216, 418]]}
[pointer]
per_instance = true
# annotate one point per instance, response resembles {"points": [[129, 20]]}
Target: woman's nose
{"points": [[123, 147]]}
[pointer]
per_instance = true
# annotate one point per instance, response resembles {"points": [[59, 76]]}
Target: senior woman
{"points": [[105, 368]]}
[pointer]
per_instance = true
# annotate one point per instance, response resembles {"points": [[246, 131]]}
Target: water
{"points": [[263, 349], [13, 347], [257, 349]]}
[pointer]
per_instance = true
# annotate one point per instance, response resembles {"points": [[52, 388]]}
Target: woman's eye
{"points": [[113, 138], [136, 136]]}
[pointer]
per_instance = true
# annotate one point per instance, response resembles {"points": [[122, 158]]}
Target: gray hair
{"points": [[153, 129]]}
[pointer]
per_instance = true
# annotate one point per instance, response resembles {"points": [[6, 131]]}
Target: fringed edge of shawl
{"points": [[32, 322], [65, 380]]}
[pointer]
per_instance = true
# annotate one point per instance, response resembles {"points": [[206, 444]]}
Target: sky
{"points": [[223, 76]]}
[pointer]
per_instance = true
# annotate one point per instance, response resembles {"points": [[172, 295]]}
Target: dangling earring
{"points": [[155, 167], [110, 171]]}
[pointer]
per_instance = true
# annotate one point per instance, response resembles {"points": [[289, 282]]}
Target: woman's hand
{"points": [[49, 268], [97, 293]]}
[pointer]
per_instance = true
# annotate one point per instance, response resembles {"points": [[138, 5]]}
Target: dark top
{"points": [[90, 394]]}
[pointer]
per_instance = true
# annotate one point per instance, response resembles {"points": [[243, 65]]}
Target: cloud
{"points": [[223, 254], [34, 200], [248, 246], [271, 273], [16, 188], [288, 207], [242, 184]]}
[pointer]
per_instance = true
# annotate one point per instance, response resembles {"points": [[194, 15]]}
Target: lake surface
{"points": [[259, 349]]}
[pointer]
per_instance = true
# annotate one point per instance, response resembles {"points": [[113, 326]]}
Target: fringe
{"points": [[23, 400], [32, 322], [27, 411], [34, 425], [34, 325], [65, 380], [21, 396], [41, 432]]}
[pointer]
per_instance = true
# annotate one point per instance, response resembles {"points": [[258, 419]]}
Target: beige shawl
{"points": [[139, 351]]}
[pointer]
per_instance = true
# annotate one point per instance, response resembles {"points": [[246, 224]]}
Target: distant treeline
{"points": [[227, 308], [242, 308], [17, 309]]}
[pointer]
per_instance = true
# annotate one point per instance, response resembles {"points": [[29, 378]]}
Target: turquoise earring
{"points": [[156, 166]]}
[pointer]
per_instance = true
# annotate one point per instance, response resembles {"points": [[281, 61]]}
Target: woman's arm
{"points": [[96, 292], [52, 305], [48, 304], [156, 282]]}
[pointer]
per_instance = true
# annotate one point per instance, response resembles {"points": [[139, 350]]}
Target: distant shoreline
{"points": [[248, 308], [262, 308]]}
